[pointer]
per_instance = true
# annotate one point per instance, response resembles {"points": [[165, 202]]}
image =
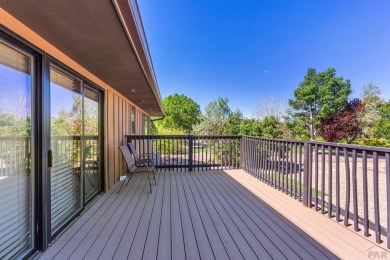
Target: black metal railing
{"points": [[188, 152], [348, 182], [278, 163]]}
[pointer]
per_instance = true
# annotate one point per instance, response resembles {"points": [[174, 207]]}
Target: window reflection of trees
{"points": [[69, 122], [15, 111]]}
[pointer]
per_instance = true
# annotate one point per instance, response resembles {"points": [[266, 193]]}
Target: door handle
{"points": [[50, 158]]}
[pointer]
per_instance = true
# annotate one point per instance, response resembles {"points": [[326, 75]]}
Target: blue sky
{"points": [[252, 50]]}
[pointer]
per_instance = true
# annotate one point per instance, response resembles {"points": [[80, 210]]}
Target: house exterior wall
{"points": [[118, 125]]}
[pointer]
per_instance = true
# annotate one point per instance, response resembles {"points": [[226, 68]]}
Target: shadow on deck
{"points": [[204, 215]]}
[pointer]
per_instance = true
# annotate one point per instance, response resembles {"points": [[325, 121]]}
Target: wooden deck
{"points": [[205, 215]]}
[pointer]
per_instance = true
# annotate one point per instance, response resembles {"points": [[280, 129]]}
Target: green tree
{"points": [[153, 128], [70, 122], [215, 117], [372, 106], [7, 124], [233, 123], [318, 96], [182, 113], [382, 125], [251, 127], [61, 125], [15, 111], [91, 115], [10, 125], [271, 127], [295, 129]]}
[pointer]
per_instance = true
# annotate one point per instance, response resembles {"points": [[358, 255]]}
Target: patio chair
{"points": [[140, 160], [134, 168], [90, 163]]}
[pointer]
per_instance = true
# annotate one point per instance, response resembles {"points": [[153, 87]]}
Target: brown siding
{"points": [[118, 118]]}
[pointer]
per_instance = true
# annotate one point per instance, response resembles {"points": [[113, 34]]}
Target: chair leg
{"points": [[150, 185], [127, 179], [131, 175], [86, 175]]}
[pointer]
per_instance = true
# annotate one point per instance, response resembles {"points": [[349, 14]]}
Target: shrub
{"points": [[376, 142]]}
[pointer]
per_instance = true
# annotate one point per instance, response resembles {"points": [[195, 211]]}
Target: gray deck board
{"points": [[178, 250], [244, 224], [237, 232], [151, 243], [102, 238], [202, 238], [109, 249], [123, 248], [85, 223], [274, 227], [191, 248], [102, 226], [227, 233], [165, 239], [212, 233], [137, 247], [203, 215]]}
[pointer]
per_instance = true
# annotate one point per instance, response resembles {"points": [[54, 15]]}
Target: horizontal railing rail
{"points": [[347, 182], [188, 152]]}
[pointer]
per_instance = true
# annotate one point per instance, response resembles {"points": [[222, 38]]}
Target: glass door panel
{"points": [[66, 145], [15, 152], [91, 139]]}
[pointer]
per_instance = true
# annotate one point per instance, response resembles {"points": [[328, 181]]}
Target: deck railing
{"points": [[188, 152], [348, 182]]}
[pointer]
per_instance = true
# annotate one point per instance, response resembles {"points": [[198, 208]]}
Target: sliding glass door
{"points": [[75, 145], [50, 163], [91, 148], [66, 132], [16, 171]]}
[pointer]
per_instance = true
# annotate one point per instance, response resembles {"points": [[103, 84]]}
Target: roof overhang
{"points": [[105, 37]]}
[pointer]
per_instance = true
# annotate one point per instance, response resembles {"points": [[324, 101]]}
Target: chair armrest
{"points": [[145, 155]]}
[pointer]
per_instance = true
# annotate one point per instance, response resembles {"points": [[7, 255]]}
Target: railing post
{"points": [[387, 158], [242, 153], [306, 173], [190, 146]]}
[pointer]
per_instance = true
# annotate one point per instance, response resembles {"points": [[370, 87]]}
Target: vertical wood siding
{"points": [[117, 125]]}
